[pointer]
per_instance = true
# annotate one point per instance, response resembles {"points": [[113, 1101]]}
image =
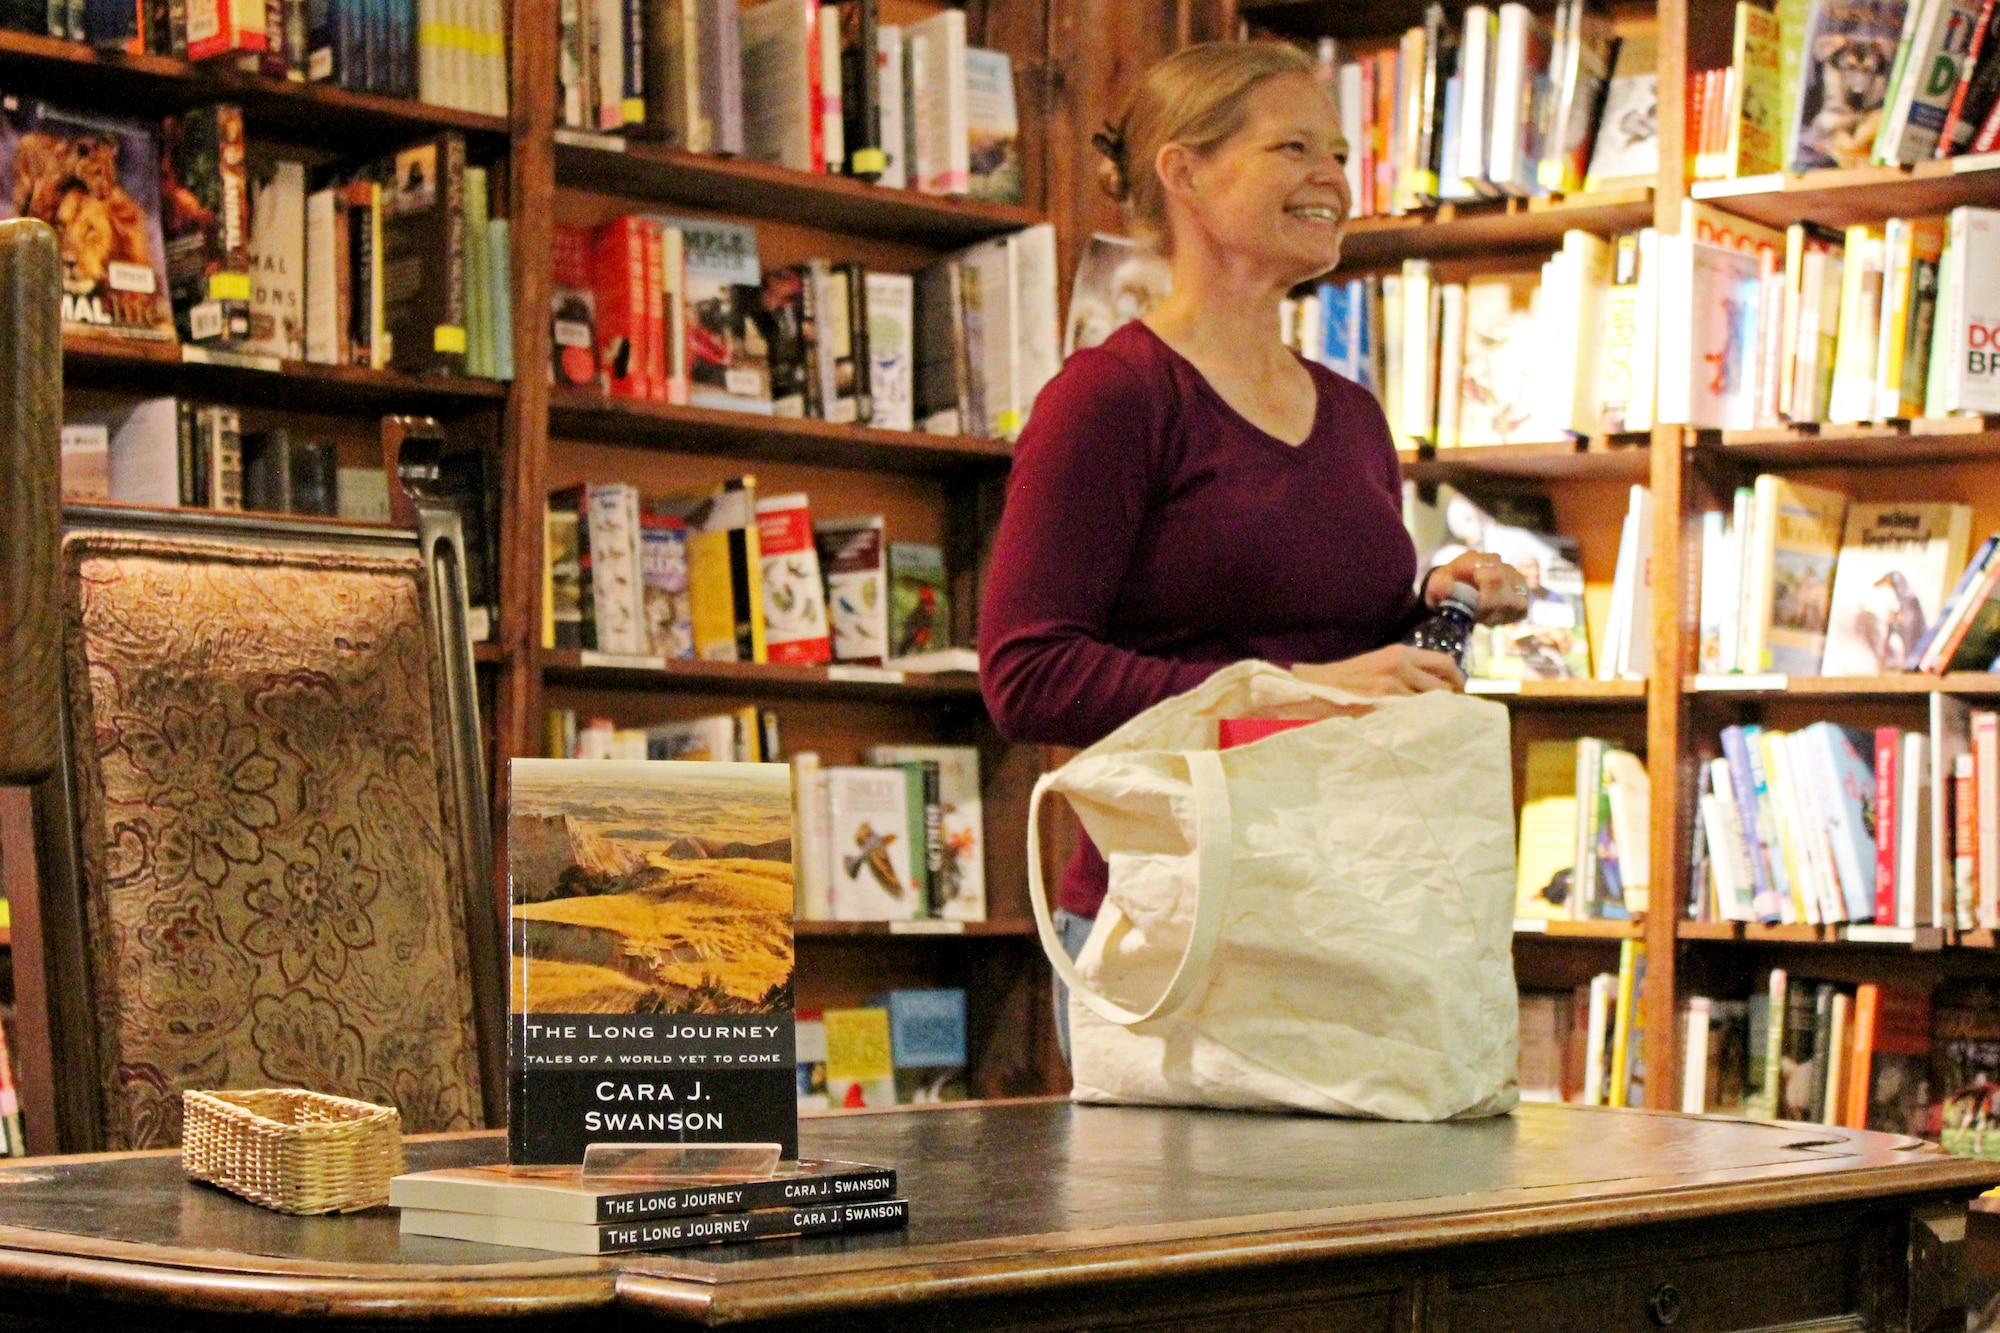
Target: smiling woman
{"points": [[1190, 493]]}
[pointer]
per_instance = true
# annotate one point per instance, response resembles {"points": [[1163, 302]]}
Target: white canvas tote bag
{"points": [[1321, 920]]}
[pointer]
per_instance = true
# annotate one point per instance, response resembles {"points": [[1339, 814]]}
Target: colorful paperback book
{"points": [[727, 358], [874, 868], [663, 572], [562, 1194], [205, 215], [278, 258], [667, 1233], [1896, 562], [958, 883], [853, 554], [919, 599], [1848, 53], [1546, 864], [1504, 357], [1798, 530], [891, 306], [1965, 1066], [96, 181], [994, 151], [651, 911], [795, 619]]}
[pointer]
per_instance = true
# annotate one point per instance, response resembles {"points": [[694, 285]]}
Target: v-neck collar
{"points": [[1215, 395]]}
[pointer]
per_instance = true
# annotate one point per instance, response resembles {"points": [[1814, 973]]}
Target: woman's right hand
{"points": [[1397, 669]]}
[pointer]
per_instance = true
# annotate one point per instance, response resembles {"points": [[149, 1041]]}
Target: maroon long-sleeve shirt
{"points": [[1153, 536]]}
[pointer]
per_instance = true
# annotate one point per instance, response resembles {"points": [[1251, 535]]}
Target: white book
{"points": [[1520, 65], [868, 824], [777, 83], [1913, 832], [86, 461], [889, 71], [1731, 854], [1853, 396], [1972, 363], [853, 554], [892, 349], [143, 454], [1943, 330], [1351, 119], [1716, 584], [1743, 634], [1673, 399], [992, 291], [962, 896], [610, 91], [1037, 318], [278, 262], [321, 290], [1611, 657], [1818, 323], [1724, 294], [1603, 987], [617, 590], [1814, 821], [1635, 644], [1451, 361], [1475, 104], [1419, 400], [1391, 387], [1951, 738], [832, 112], [1886, 397], [943, 128], [1590, 278], [1694, 1067], [429, 89], [812, 855], [1836, 1057]]}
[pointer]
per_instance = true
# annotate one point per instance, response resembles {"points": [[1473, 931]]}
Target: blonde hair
{"points": [[1197, 97]]}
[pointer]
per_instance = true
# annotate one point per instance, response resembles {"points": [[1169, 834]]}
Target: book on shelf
{"points": [[927, 1043], [853, 555], [919, 599], [205, 219], [1584, 824], [283, 474], [796, 628], [860, 1058], [875, 847], [958, 878]]}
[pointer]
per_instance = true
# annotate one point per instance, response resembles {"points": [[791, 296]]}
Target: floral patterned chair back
{"points": [[270, 880]]}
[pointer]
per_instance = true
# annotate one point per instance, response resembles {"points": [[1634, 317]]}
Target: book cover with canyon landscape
{"points": [[651, 933]]}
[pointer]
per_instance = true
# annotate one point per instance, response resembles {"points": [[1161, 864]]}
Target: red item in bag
{"points": [[1231, 732]]}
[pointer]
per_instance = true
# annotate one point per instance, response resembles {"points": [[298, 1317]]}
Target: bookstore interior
{"points": [[685, 345]]}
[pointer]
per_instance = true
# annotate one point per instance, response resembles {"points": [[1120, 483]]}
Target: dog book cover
{"points": [[1845, 67], [96, 180], [651, 935]]}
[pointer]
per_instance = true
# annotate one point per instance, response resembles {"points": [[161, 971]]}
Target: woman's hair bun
{"points": [[1112, 176]]}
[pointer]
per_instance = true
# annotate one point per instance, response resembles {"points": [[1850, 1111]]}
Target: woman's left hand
{"points": [[1503, 589]]}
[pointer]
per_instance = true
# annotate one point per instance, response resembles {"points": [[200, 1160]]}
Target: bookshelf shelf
{"points": [[1842, 198], [913, 930], [1615, 458], [577, 414], [1896, 444], [758, 678], [75, 74], [637, 170], [1491, 227], [488, 654], [1557, 693], [1853, 687], [158, 368], [1579, 930]]}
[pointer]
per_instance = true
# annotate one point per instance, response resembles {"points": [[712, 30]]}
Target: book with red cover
{"points": [[1888, 740], [1231, 732], [573, 300], [621, 306], [656, 316]]}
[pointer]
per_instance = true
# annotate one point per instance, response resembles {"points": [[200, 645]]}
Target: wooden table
{"points": [[1042, 1215]]}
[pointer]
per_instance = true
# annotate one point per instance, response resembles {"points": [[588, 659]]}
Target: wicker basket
{"points": [[292, 1150]]}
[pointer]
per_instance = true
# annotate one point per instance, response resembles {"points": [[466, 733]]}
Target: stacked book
{"points": [[556, 1208]]}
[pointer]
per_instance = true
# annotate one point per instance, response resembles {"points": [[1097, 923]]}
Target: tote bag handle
{"points": [[1213, 834]]}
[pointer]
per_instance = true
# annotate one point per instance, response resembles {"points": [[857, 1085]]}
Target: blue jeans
{"points": [[1074, 932]]}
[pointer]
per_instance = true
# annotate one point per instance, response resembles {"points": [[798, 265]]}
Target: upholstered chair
{"points": [[264, 853]]}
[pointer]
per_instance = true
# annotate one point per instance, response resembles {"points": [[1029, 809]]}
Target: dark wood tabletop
{"points": [[1019, 1196]]}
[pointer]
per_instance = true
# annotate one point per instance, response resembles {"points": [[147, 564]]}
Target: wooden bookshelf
{"points": [[1490, 228], [1895, 444], [1625, 458], [1842, 198], [577, 414], [1846, 687], [657, 174], [592, 671], [1562, 693], [158, 368], [306, 113]]}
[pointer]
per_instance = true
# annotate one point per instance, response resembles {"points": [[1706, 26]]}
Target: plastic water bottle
{"points": [[1449, 628]]}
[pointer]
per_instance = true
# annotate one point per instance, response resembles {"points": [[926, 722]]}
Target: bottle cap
{"points": [[1464, 596]]}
